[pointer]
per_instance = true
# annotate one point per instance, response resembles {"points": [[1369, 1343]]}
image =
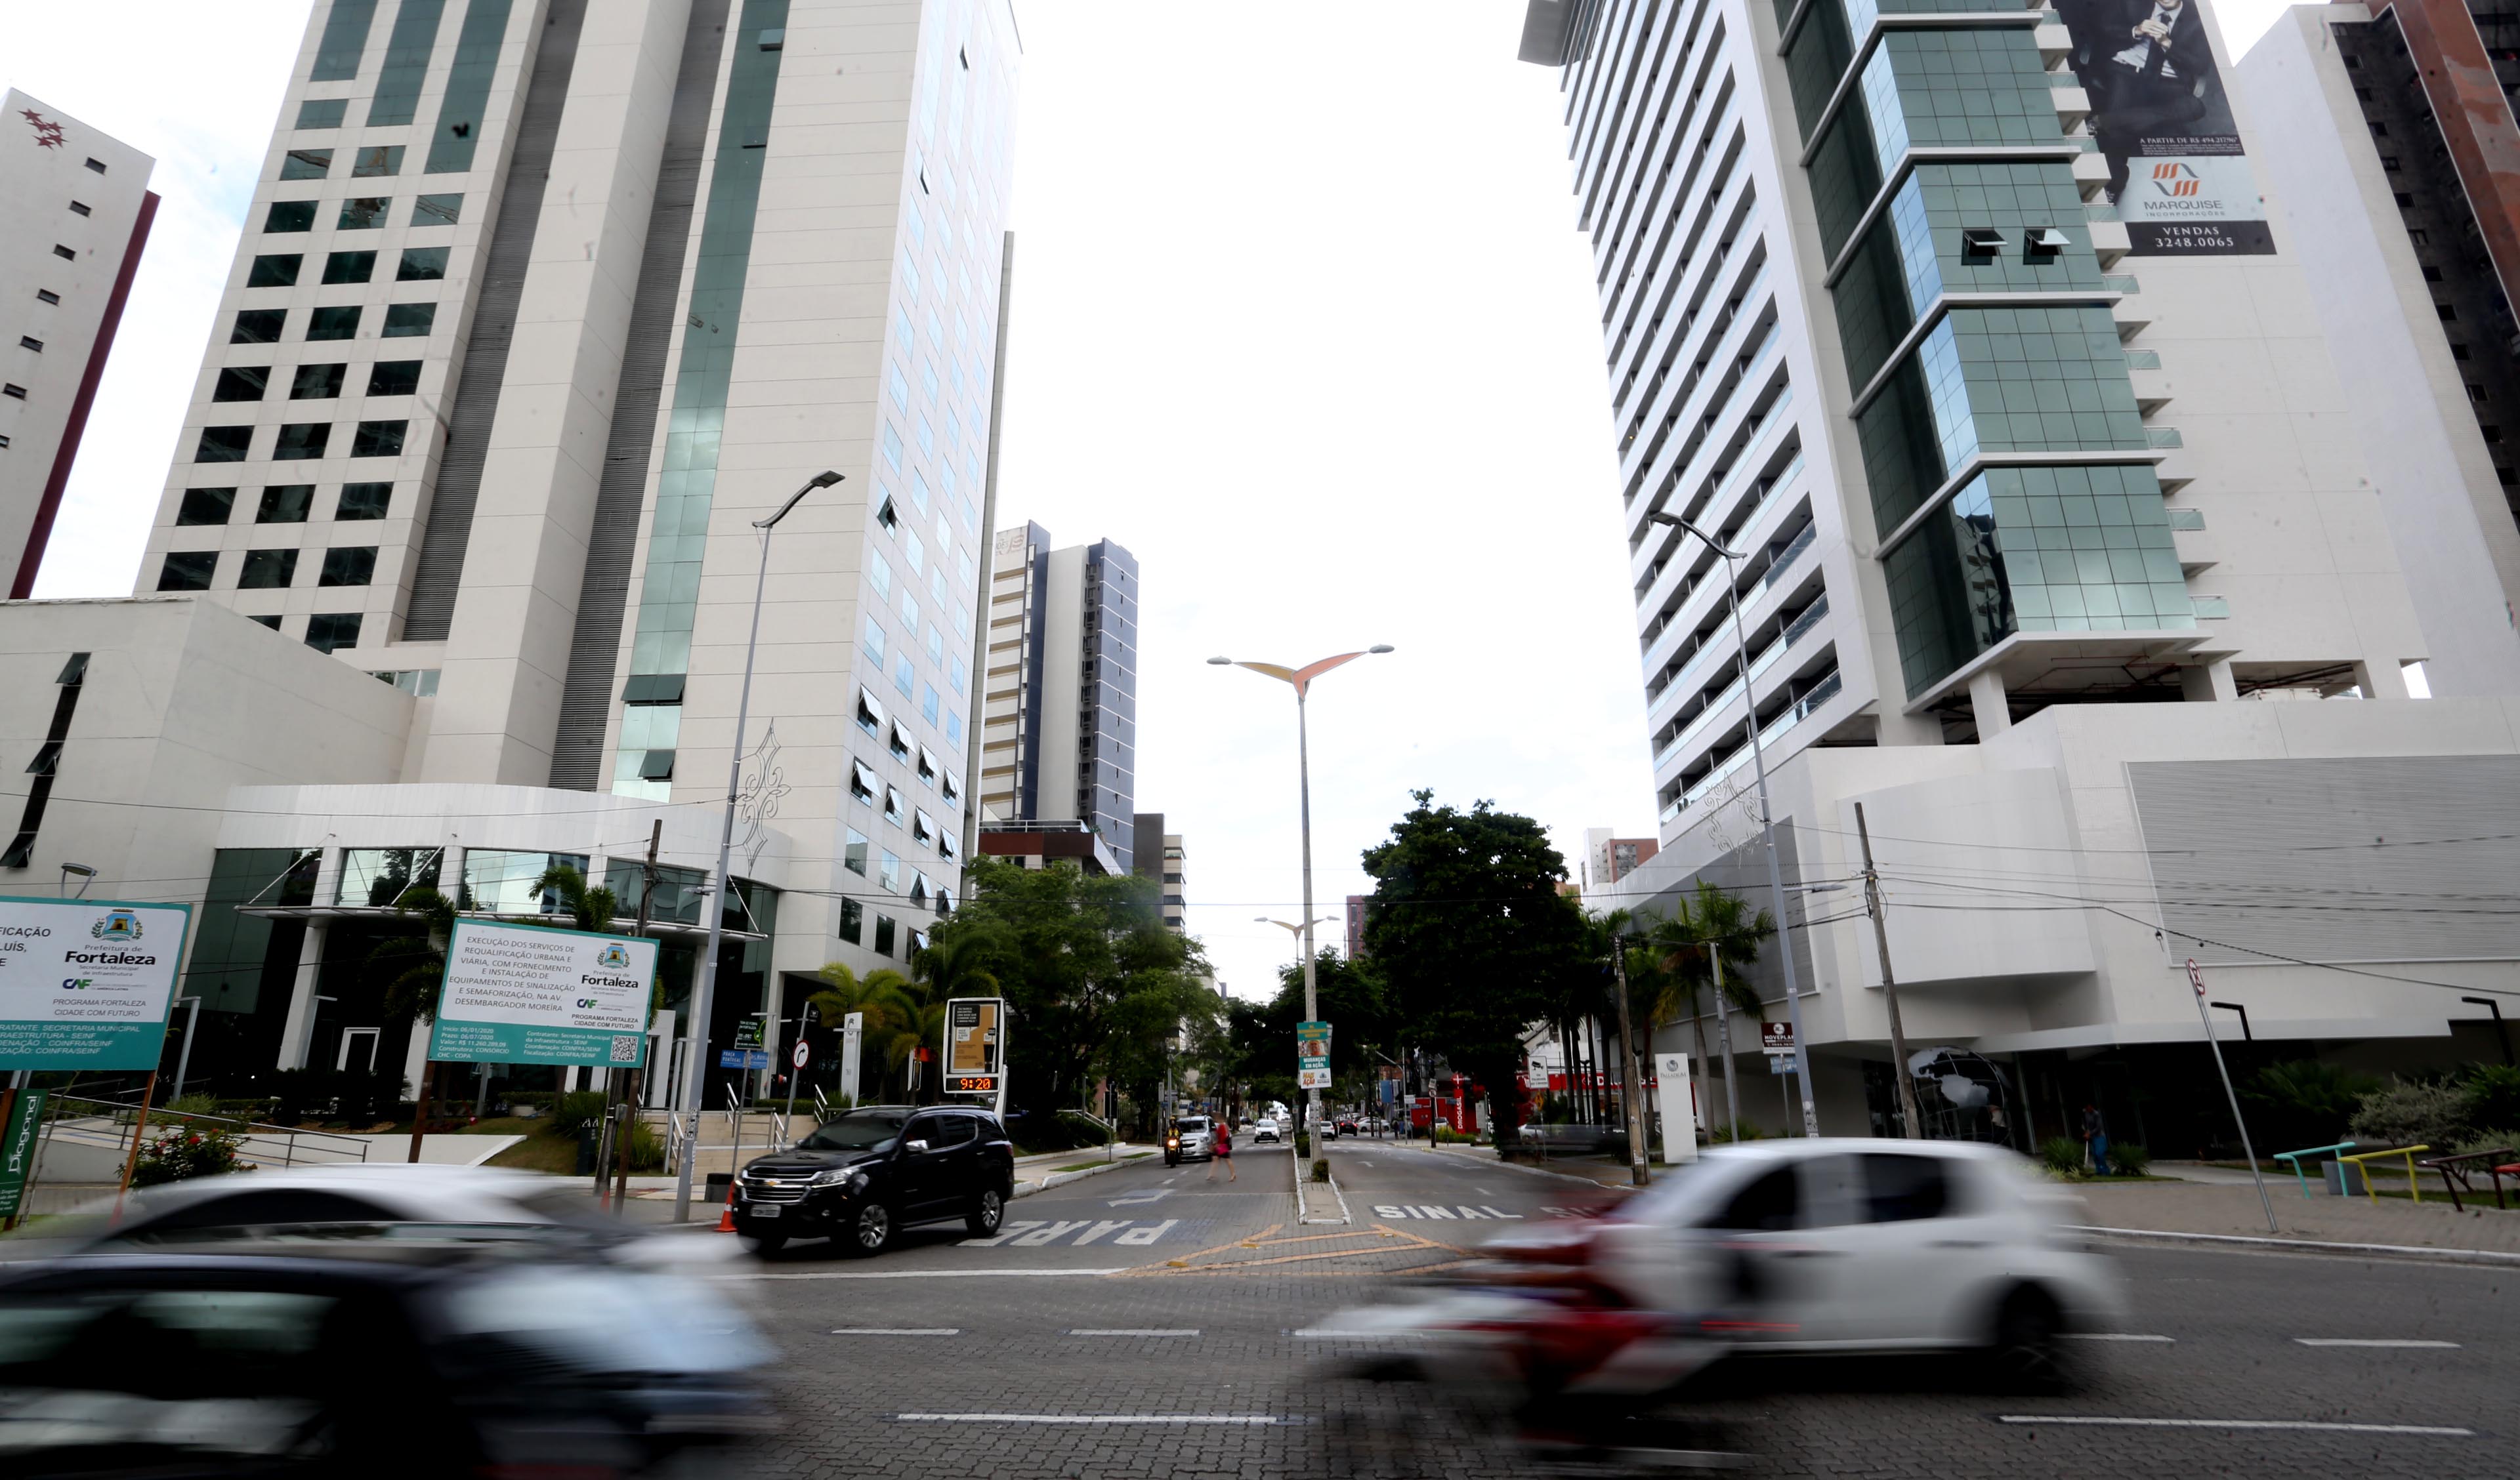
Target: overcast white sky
{"points": [[1300, 317]]}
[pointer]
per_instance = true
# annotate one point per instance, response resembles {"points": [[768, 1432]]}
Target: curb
{"points": [[1492, 1160], [1062, 1179], [2482, 1258], [1303, 1214]]}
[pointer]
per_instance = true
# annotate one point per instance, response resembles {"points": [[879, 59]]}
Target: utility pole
{"points": [[1629, 1101], [2196, 980], [1724, 1040], [1873, 906]]}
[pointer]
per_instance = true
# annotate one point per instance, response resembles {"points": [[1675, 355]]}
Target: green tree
{"points": [[892, 1007], [1705, 928], [411, 965], [1473, 939], [591, 908]]}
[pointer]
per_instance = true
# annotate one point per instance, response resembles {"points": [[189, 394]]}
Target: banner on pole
{"points": [[86, 984], [18, 1149], [534, 994]]}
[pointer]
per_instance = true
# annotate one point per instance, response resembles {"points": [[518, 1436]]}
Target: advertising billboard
{"points": [[2178, 174], [1312, 1056], [534, 994], [86, 984]]}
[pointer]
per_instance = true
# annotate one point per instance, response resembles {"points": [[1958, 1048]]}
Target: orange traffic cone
{"points": [[725, 1220]]}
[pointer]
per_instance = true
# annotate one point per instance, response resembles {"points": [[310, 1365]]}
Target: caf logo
{"points": [[613, 959], [118, 924]]}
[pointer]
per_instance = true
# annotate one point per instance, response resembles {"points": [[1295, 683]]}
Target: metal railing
{"points": [[2298, 1175], [100, 1122], [2363, 1160]]}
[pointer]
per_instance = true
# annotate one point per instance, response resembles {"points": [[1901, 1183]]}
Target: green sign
{"points": [[1312, 1045], [747, 1033], [86, 984], [18, 1149], [533, 994]]}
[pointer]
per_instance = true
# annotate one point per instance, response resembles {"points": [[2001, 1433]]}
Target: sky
{"points": [[1300, 317]]}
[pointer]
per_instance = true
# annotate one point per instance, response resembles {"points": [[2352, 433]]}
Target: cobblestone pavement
{"points": [[1199, 1355]]}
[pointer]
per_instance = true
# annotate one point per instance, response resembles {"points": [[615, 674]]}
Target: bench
{"points": [[2457, 1172]]}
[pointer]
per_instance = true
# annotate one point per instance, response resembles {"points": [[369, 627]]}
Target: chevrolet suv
{"points": [[865, 1175]]}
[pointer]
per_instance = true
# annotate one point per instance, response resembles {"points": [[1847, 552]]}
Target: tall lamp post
{"points": [[690, 1110], [1767, 818], [1302, 678]]}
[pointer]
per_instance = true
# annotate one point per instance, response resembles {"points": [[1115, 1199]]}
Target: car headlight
{"points": [[833, 1178]]}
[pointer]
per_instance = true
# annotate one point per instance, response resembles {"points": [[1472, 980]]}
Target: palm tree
{"points": [[411, 965], [593, 908], [891, 1007], [1708, 933], [956, 967]]}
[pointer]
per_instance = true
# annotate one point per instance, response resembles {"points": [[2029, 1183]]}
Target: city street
{"points": [[1150, 1323]]}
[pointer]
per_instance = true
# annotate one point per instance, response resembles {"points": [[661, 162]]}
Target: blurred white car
{"points": [[1264, 1130], [1852, 1246]]}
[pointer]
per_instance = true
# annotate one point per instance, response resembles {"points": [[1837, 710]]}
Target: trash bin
{"points": [[718, 1183], [586, 1140], [2344, 1178]]}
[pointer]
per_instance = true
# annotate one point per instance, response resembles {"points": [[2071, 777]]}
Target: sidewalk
{"points": [[2231, 1210]]}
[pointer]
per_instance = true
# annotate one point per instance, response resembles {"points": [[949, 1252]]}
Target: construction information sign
{"points": [[86, 984], [531, 993], [971, 1045]]}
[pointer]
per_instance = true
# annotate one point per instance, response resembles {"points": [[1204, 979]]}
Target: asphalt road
{"points": [[1151, 1321]]}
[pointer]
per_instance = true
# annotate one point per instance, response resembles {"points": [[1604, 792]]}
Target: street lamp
{"points": [[1291, 929], [1767, 817], [690, 1110], [1302, 678]]}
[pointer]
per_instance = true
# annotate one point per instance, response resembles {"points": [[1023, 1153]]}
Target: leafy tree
{"points": [[411, 965], [892, 1009], [2303, 1102], [1704, 928], [591, 908], [1473, 939]]}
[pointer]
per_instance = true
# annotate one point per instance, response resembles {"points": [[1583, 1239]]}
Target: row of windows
{"points": [[283, 503], [301, 440], [902, 748], [265, 325], [316, 382], [370, 160], [887, 929], [419, 264], [364, 213], [861, 854], [267, 570]]}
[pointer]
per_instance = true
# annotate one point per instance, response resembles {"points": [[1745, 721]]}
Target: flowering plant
{"points": [[181, 1152]]}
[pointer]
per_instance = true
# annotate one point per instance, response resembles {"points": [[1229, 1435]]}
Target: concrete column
{"points": [[2208, 682], [1987, 697], [1891, 727], [2382, 680], [297, 1029]]}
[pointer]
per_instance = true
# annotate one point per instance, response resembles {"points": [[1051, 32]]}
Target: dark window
{"points": [[363, 212], [48, 759], [224, 444], [326, 631], [285, 503], [376, 159], [2432, 274], [97, 165], [2448, 313], [2479, 394], [2490, 433], [322, 113], [14, 391], [301, 440], [29, 342], [348, 566], [206, 505], [393, 378], [942, 1131], [346, 36], [80, 208], [364, 501], [883, 932], [378, 439], [437, 210], [2459, 352], [267, 570], [656, 765], [349, 266], [1772, 1202], [188, 570], [271, 623], [2404, 198], [289, 215], [422, 264], [404, 321], [852, 922], [317, 382], [334, 322], [241, 382], [1899, 1187], [47, 296], [306, 164], [64, 254], [2379, 130], [276, 270], [2419, 236], [258, 326]]}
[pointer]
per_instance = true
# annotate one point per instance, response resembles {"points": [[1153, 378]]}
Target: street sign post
{"points": [[1312, 1056], [87, 984], [852, 1037], [974, 1040], [1676, 1102], [2196, 980], [1775, 1036]]}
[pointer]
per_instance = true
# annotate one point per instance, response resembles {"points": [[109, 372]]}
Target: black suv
{"points": [[877, 1169]]}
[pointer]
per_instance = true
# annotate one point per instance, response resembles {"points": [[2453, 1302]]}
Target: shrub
{"points": [[2128, 1159], [2303, 1103], [1322, 1170], [575, 1111], [180, 1152], [1446, 1135], [2413, 1114], [1303, 1142], [2493, 1095], [2488, 1141], [1722, 1135], [2063, 1155]]}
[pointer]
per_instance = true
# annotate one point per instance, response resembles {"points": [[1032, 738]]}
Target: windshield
{"points": [[857, 1131], [1194, 1123]]}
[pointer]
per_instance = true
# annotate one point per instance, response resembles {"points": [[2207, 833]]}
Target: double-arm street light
{"points": [[1303, 679], [706, 987], [1767, 818]]}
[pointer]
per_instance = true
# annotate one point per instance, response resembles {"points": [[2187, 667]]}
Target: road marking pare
{"points": [[1038, 1233]]}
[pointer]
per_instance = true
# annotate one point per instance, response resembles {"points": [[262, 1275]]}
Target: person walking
{"points": [[2095, 1139], [1224, 1151]]}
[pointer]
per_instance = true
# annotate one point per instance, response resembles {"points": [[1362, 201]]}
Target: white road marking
{"points": [[1396, 1210], [1139, 1237], [2113, 1336], [2440, 1346], [1318, 1333], [1099, 1229], [1035, 1233], [1140, 1197], [1254, 1419], [2079, 1421], [1135, 1331], [1010, 1272], [1042, 1235], [898, 1330]]}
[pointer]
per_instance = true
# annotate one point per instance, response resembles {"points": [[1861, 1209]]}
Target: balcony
{"points": [[1777, 648], [1663, 644], [1776, 729]]}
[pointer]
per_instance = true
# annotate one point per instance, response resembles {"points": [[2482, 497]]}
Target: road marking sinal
{"points": [[1457, 1212], [2115, 1336], [2082, 1421], [1136, 1331], [1253, 1420], [2437, 1346], [898, 1330]]}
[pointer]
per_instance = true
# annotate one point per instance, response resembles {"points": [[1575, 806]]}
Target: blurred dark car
{"points": [[864, 1175], [363, 1357]]}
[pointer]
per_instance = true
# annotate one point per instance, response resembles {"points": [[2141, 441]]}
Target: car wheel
{"points": [[870, 1231], [766, 1245], [2028, 1353], [987, 1213]]}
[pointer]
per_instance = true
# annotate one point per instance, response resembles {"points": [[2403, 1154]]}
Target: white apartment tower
{"points": [[1059, 737], [540, 305], [75, 209]]}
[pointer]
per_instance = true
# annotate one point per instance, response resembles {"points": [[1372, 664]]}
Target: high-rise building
{"points": [[75, 213], [541, 307], [1975, 334], [1159, 855], [1356, 926], [2380, 126], [1059, 728], [1608, 859]]}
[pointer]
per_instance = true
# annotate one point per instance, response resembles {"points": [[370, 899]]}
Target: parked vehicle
{"points": [[411, 1356], [396, 1199], [868, 1173]]}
